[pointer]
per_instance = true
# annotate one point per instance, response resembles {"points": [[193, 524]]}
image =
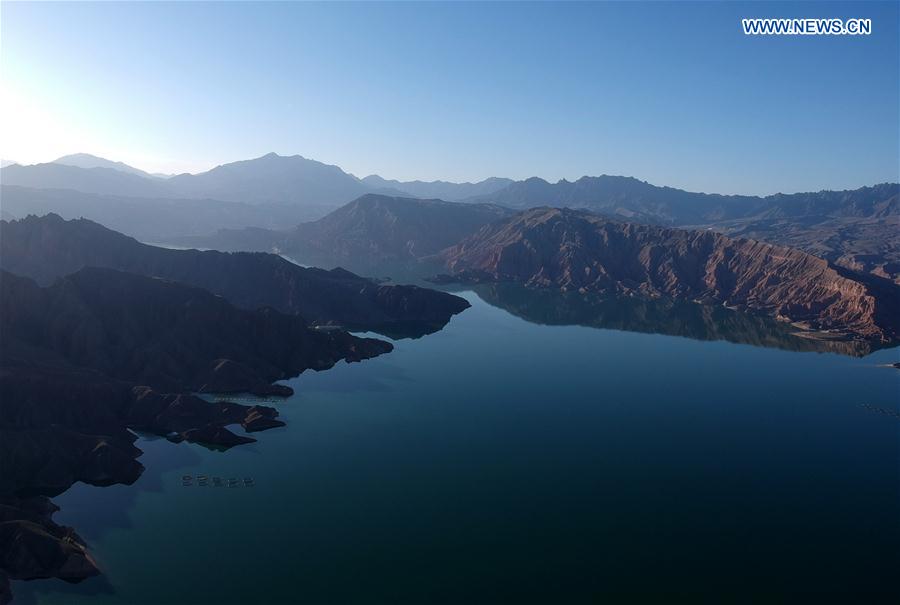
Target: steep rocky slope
{"points": [[862, 244], [373, 235], [576, 250], [101, 351], [389, 229], [166, 335], [858, 229], [45, 248]]}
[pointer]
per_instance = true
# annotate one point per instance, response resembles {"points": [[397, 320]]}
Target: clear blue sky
{"points": [[670, 93]]}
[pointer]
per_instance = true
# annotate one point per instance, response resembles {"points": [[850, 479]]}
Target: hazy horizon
{"points": [[235, 369], [673, 95], [7, 161]]}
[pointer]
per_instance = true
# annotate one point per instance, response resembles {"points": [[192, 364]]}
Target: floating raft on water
{"points": [[247, 399], [202, 481], [880, 410]]}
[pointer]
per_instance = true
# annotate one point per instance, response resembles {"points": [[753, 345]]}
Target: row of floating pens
{"points": [[203, 481], [879, 410]]}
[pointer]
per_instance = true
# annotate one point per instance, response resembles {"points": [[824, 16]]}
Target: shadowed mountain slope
{"points": [[152, 219], [374, 234], [379, 231], [166, 335], [100, 351], [48, 247]]}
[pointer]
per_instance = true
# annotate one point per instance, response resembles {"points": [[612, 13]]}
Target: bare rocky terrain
{"points": [[102, 351], [48, 247], [574, 250]]}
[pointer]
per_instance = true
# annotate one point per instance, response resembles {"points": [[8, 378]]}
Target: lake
{"points": [[511, 457]]}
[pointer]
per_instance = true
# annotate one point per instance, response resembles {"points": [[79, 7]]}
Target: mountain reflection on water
{"points": [[657, 316], [502, 461]]}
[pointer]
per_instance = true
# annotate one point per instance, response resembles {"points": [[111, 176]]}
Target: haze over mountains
{"points": [[264, 192], [374, 235], [268, 179], [275, 203], [297, 180], [443, 190], [579, 250], [49, 247], [856, 229], [150, 219], [86, 160], [637, 200], [102, 333], [562, 249]]}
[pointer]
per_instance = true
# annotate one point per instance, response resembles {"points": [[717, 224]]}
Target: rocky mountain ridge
{"points": [[573, 250], [45, 248], [102, 351]]}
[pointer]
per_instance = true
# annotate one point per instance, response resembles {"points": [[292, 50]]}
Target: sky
{"points": [[671, 93]]}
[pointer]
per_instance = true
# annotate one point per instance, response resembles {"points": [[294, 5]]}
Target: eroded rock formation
{"points": [[574, 250]]}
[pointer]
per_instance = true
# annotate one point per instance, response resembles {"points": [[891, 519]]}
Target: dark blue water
{"points": [[504, 461]]}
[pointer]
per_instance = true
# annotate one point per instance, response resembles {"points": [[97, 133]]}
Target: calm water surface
{"points": [[502, 460]]}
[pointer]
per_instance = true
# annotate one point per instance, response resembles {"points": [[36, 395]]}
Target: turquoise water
{"points": [[505, 461]]}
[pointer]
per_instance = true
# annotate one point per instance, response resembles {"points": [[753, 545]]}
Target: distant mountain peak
{"points": [[79, 156], [89, 161], [444, 190]]}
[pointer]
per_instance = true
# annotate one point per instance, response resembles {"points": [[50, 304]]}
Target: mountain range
{"points": [[49, 247], [373, 235], [639, 201], [102, 351], [578, 250], [575, 250], [152, 219], [270, 179], [855, 229], [86, 160], [265, 192], [297, 180], [443, 190], [376, 234], [385, 234], [101, 334]]}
